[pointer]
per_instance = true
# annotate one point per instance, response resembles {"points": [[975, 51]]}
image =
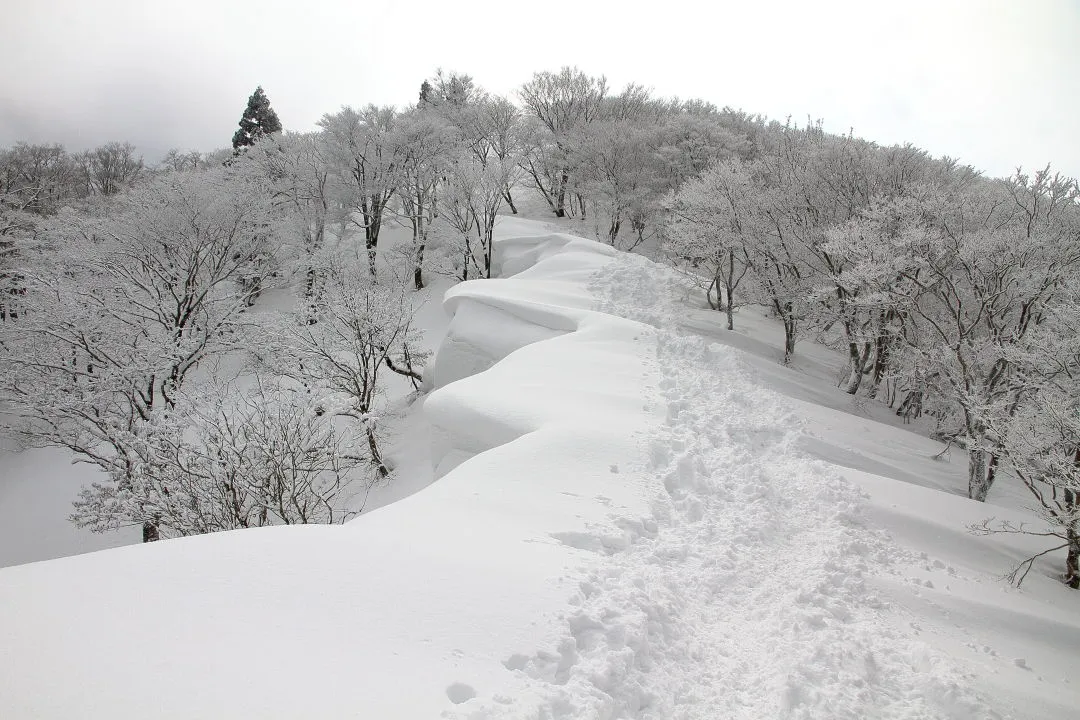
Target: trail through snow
{"points": [[745, 595]]}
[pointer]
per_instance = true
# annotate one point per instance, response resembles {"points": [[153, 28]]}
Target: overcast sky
{"points": [[993, 82]]}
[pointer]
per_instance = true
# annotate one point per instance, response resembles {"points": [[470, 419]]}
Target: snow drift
{"points": [[625, 525]]}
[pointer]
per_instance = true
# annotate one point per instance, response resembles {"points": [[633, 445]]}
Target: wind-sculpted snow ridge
{"points": [[408, 611], [745, 594]]}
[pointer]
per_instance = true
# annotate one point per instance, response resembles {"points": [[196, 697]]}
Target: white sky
{"points": [[993, 82]]}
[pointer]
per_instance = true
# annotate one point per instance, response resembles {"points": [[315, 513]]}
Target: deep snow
{"points": [[632, 519]]}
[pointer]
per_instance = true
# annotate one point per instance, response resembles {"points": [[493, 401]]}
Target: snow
{"points": [[37, 486], [636, 515]]}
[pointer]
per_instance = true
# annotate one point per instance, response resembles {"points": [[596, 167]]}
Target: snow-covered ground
{"points": [[636, 515]]}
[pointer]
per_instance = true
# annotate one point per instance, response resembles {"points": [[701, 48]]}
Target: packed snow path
{"points": [[743, 594]]}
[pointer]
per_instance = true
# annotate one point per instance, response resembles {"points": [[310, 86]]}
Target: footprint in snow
{"points": [[460, 692]]}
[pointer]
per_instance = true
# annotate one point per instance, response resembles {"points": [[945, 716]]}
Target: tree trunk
{"points": [[789, 339], [729, 289], [881, 363], [560, 197], [150, 531], [785, 311], [1072, 560], [613, 229], [371, 234], [978, 479], [1072, 535], [715, 284], [729, 308], [911, 406], [510, 200], [376, 456], [418, 270], [371, 247], [489, 246]]}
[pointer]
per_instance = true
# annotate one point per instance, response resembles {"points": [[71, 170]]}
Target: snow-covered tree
{"points": [[364, 326], [182, 161], [712, 226], [997, 264], [495, 124], [17, 227], [619, 168], [110, 169], [38, 179], [866, 288], [475, 193], [561, 104], [124, 308], [1041, 442], [423, 142], [228, 457], [361, 149], [298, 173]]}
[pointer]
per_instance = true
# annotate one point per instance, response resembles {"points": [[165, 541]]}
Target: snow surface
{"points": [[629, 521]]}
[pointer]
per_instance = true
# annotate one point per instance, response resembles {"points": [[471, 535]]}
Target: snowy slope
{"points": [[628, 522]]}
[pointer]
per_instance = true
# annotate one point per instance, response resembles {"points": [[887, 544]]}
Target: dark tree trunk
{"points": [[489, 249], [789, 339], [150, 531], [729, 308], [510, 201], [881, 362], [1072, 560], [560, 198], [372, 224], [911, 406], [376, 456], [1072, 536], [786, 313], [613, 230], [418, 271], [372, 247]]}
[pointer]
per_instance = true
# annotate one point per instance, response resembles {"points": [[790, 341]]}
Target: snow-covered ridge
{"points": [[410, 609], [624, 526], [546, 298]]}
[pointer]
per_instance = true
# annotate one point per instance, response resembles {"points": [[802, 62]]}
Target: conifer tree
{"points": [[259, 120]]}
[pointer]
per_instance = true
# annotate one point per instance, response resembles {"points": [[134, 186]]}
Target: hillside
{"points": [[635, 514]]}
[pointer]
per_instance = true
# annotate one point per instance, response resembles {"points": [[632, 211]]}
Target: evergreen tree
{"points": [[259, 120], [426, 93]]}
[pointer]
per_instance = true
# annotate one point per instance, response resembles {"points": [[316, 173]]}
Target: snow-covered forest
{"points": [[240, 338]]}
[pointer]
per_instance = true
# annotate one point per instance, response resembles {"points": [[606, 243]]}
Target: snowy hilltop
{"points": [[634, 515]]}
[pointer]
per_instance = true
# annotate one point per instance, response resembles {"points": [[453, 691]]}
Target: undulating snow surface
{"points": [[629, 521]]}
